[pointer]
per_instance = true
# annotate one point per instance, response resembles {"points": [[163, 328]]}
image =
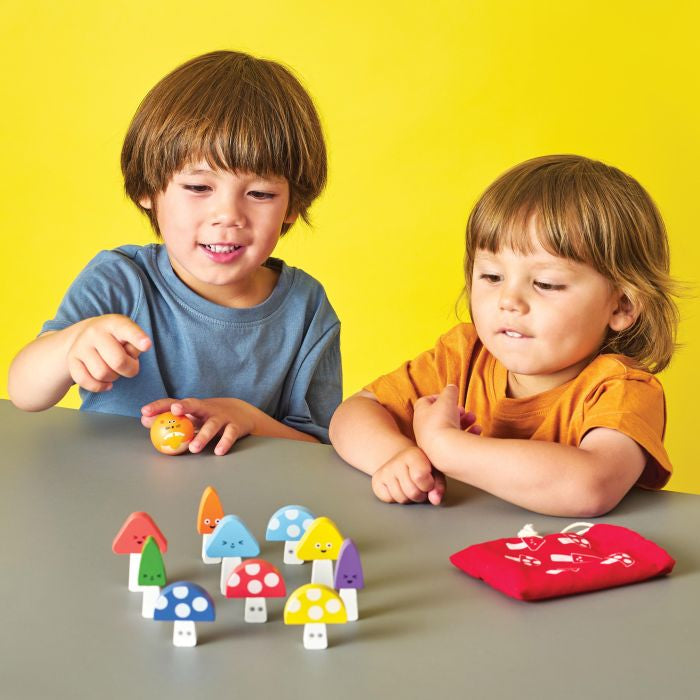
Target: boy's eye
{"points": [[257, 194], [197, 188], [549, 287], [490, 278]]}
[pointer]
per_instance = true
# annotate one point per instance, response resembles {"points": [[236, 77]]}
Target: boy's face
{"points": [[219, 227], [543, 317]]}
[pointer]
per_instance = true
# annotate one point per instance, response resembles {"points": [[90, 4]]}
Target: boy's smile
{"points": [[219, 227], [543, 317]]}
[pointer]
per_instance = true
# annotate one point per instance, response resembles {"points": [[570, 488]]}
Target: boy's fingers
{"points": [[156, 407], [410, 489], [84, 379], [97, 367], [449, 394], [475, 429], [209, 429], [421, 476], [228, 439], [126, 331], [183, 406], [117, 359], [436, 494]]}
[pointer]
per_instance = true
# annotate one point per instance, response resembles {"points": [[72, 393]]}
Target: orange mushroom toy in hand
{"points": [[171, 434]]}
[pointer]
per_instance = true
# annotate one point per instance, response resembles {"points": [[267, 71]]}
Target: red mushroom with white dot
{"points": [[255, 580]]}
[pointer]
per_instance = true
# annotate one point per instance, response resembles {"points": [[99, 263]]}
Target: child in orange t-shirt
{"points": [[567, 271]]}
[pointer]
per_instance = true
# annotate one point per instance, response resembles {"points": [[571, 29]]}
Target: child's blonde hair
{"points": [[237, 113], [591, 213]]}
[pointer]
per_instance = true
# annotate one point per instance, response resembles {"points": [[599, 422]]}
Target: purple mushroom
{"points": [[348, 577]]}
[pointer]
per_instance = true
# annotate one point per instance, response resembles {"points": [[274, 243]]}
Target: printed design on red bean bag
{"points": [[566, 562]]}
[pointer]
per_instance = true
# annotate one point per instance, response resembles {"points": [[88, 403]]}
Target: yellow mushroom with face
{"points": [[314, 606], [321, 545]]}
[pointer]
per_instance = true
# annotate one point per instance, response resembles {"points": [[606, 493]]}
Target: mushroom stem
{"points": [[148, 602], [228, 564], [349, 597], [134, 563], [322, 572], [315, 636], [205, 558], [184, 633], [290, 552], [255, 610]]}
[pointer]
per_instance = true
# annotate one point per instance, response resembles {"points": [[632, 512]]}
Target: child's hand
{"points": [[230, 418], [432, 415], [408, 476], [105, 348]]}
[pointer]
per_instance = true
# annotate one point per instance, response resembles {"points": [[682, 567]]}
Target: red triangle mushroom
{"points": [[130, 540]]}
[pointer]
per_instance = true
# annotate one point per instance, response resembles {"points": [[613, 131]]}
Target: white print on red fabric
{"points": [[619, 557], [573, 538], [531, 543], [525, 560]]}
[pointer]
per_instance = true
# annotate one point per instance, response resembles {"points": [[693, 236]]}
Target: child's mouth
{"points": [[222, 253]]}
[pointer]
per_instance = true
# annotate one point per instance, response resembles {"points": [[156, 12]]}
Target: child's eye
{"points": [[549, 287], [492, 279], [199, 189], [257, 194]]}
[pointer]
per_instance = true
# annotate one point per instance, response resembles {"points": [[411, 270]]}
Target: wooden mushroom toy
{"points": [[231, 540], [185, 604], [131, 538], [151, 576], [208, 517], [348, 577], [314, 606], [287, 525], [171, 434], [255, 580], [321, 544]]}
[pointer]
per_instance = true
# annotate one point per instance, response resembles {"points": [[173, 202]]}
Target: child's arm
{"points": [[231, 418], [365, 435], [549, 478], [92, 353]]}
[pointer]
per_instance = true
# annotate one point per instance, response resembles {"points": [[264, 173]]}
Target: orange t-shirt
{"points": [[609, 393]]}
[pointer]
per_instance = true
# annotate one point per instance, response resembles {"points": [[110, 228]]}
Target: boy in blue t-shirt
{"points": [[222, 155]]}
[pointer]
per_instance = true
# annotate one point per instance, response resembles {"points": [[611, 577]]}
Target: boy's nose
{"points": [[229, 213], [512, 300]]}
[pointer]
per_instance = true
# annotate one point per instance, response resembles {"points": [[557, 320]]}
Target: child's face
{"points": [[219, 227], [543, 317]]}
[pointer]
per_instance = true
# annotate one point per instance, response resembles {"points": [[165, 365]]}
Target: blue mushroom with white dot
{"points": [[184, 603], [288, 524], [231, 540]]}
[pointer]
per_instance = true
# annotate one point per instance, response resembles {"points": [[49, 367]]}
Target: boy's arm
{"points": [[549, 478], [366, 436], [92, 353]]}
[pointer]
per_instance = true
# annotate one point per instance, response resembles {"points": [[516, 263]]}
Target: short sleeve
{"points": [[634, 405], [107, 285], [426, 374], [318, 387]]}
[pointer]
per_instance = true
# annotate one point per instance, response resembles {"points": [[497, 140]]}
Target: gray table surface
{"points": [[72, 630]]}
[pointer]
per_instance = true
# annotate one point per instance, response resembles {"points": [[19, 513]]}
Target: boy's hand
{"points": [[105, 348], [230, 418], [408, 476], [435, 414]]}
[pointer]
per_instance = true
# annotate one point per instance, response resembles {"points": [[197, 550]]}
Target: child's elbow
{"points": [[595, 500]]}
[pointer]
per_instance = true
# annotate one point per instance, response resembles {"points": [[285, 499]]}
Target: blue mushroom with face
{"points": [[231, 540], [287, 525]]}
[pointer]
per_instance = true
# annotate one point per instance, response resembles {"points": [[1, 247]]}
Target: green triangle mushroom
{"points": [[151, 576]]}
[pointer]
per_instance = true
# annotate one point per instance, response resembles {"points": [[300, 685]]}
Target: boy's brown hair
{"points": [[595, 214], [237, 113]]}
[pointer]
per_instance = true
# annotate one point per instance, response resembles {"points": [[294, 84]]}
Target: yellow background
{"points": [[422, 106]]}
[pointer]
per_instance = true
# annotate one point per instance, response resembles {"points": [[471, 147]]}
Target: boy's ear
{"points": [[145, 202], [624, 314], [291, 217]]}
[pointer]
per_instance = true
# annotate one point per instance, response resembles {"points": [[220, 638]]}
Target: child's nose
{"points": [[229, 213], [512, 299]]}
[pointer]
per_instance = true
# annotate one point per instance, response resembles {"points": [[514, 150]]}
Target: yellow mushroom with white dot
{"points": [[315, 606]]}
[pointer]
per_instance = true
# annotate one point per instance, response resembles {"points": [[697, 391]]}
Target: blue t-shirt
{"points": [[282, 355]]}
